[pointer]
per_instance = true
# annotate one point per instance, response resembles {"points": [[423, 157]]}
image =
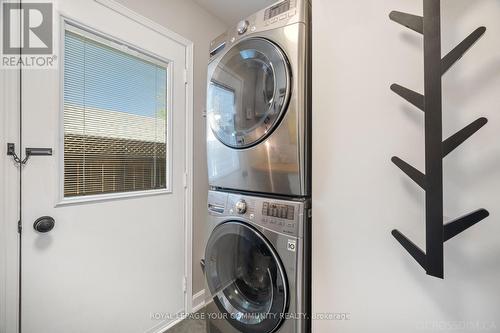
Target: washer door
{"points": [[248, 93], [246, 278]]}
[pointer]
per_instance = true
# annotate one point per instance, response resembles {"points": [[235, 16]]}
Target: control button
{"points": [[252, 29], [241, 207], [242, 27], [284, 16], [274, 20], [233, 39], [292, 13], [265, 208], [284, 212], [290, 215], [252, 216]]}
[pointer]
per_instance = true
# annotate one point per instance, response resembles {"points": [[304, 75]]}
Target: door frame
{"points": [[9, 205], [9, 242]]}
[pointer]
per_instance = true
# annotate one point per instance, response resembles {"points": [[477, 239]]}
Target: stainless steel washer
{"points": [[258, 103], [256, 264]]}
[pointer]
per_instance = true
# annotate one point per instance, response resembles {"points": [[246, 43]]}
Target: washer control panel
{"points": [[272, 209], [283, 216], [280, 224]]}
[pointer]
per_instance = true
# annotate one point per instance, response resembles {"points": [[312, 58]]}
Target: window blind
{"points": [[115, 118]]}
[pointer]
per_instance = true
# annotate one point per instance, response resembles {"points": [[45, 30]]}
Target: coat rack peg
{"points": [[459, 51], [412, 249], [415, 175], [461, 136], [411, 96], [429, 25], [413, 22], [463, 223]]}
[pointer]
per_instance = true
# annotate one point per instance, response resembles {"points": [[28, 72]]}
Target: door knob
{"points": [[44, 224]]}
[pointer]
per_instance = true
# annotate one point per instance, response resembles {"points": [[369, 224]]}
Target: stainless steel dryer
{"points": [[258, 109], [256, 264]]}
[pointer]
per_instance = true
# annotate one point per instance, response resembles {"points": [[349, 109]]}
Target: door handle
{"points": [[44, 224]]}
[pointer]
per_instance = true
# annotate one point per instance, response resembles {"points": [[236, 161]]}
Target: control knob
{"points": [[241, 207], [242, 27]]}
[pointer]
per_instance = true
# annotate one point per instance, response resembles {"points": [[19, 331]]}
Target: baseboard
{"points": [[166, 324], [198, 300], [198, 304]]}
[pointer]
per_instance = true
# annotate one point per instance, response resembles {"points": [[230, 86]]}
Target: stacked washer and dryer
{"points": [[257, 257]]}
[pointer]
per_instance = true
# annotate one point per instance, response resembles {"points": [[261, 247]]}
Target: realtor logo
{"points": [[28, 34]]}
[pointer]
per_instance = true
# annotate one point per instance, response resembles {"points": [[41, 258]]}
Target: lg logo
{"points": [[27, 28]]}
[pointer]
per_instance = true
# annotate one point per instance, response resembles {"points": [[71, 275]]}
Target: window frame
{"points": [[133, 50]]}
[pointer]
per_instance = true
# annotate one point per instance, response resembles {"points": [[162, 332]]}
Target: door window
{"points": [[115, 117], [248, 92]]}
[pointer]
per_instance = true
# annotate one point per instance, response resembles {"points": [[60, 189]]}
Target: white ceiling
{"points": [[231, 11]]}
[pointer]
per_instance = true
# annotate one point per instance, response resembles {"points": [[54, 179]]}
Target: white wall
{"points": [[359, 196], [193, 22]]}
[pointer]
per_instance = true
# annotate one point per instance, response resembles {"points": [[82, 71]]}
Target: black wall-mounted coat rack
{"points": [[432, 260]]}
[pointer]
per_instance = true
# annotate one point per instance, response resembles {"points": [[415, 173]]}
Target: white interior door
{"points": [[115, 258]]}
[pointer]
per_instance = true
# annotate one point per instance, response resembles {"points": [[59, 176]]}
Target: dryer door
{"points": [[246, 278], [248, 92]]}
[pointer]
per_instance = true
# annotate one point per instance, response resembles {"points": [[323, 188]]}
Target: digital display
{"points": [[279, 211], [277, 9]]}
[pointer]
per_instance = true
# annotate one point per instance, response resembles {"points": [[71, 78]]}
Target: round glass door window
{"points": [[246, 278], [248, 93]]}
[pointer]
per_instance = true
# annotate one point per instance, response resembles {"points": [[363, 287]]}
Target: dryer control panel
{"points": [[277, 10], [276, 16]]}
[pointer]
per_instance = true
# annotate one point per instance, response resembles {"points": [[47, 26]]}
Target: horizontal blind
{"points": [[115, 119]]}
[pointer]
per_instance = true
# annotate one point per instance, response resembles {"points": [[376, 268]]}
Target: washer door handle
{"points": [[44, 224]]}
